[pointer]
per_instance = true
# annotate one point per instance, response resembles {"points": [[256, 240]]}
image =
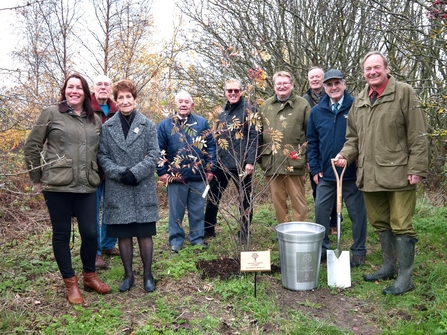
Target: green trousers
{"points": [[391, 210]]}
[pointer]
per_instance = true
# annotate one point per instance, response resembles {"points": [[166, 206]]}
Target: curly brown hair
{"points": [[124, 85]]}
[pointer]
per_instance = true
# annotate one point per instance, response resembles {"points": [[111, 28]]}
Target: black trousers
{"points": [[217, 187], [62, 206]]}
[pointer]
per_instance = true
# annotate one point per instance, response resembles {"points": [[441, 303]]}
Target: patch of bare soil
{"points": [[344, 312], [222, 268]]}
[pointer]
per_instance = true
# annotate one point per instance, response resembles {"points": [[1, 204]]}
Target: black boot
{"points": [[388, 269], [405, 258]]}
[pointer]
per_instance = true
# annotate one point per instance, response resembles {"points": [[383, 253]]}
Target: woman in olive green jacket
{"points": [[68, 177]]}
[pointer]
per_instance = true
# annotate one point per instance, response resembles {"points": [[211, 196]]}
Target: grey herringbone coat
{"points": [[139, 152]]}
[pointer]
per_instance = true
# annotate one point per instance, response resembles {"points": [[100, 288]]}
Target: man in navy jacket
{"points": [[188, 161], [326, 135], [235, 162]]}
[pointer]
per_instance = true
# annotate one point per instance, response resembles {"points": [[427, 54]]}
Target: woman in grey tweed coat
{"points": [[128, 153]]}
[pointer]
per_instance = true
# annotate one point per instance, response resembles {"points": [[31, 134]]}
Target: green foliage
{"points": [[236, 287]]}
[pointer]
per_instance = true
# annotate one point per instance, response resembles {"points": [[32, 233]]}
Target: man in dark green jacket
{"points": [[386, 136], [283, 153]]}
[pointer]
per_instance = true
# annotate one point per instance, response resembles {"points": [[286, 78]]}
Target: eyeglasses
{"points": [[102, 84], [282, 84], [233, 91]]}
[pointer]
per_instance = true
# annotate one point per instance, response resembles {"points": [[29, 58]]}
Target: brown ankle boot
{"points": [[92, 282], [72, 291]]}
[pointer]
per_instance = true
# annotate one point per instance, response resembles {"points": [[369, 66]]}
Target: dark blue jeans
{"points": [[104, 242]]}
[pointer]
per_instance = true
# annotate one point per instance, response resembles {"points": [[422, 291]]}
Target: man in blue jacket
{"points": [[188, 161], [326, 135]]}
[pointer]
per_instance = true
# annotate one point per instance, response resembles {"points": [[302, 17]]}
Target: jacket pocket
{"points": [[391, 171], [297, 164], [360, 171], [300, 162], [93, 175], [266, 159], [58, 173]]}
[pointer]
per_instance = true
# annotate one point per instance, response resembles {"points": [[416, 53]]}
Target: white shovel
{"points": [[338, 263]]}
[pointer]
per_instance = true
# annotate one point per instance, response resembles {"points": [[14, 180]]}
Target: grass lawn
{"points": [[32, 292]]}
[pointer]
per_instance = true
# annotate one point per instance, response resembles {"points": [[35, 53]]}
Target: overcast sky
{"points": [[6, 36], [162, 10]]}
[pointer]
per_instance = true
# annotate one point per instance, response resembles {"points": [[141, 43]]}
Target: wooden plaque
{"points": [[253, 261]]}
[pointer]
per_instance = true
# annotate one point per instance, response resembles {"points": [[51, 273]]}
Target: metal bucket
{"points": [[299, 253]]}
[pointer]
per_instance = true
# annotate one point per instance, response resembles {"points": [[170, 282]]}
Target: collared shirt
{"points": [[182, 120], [277, 98], [340, 102], [380, 89]]}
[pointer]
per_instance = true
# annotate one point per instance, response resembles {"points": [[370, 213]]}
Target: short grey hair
{"points": [[183, 92], [101, 78], [232, 80], [372, 53], [316, 68]]}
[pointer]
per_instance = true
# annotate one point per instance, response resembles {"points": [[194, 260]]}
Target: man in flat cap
{"points": [[326, 133]]}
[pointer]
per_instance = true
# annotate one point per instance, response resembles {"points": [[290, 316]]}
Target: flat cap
{"points": [[332, 74]]}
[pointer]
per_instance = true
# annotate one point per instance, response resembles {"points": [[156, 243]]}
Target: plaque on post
{"points": [[255, 261]]}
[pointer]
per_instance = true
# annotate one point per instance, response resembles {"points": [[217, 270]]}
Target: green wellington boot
{"points": [[405, 259], [388, 269]]}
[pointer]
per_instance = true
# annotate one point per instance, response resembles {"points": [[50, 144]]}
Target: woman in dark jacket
{"points": [[128, 153], [68, 178]]}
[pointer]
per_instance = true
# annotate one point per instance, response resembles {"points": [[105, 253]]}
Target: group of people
{"points": [[88, 149]]}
